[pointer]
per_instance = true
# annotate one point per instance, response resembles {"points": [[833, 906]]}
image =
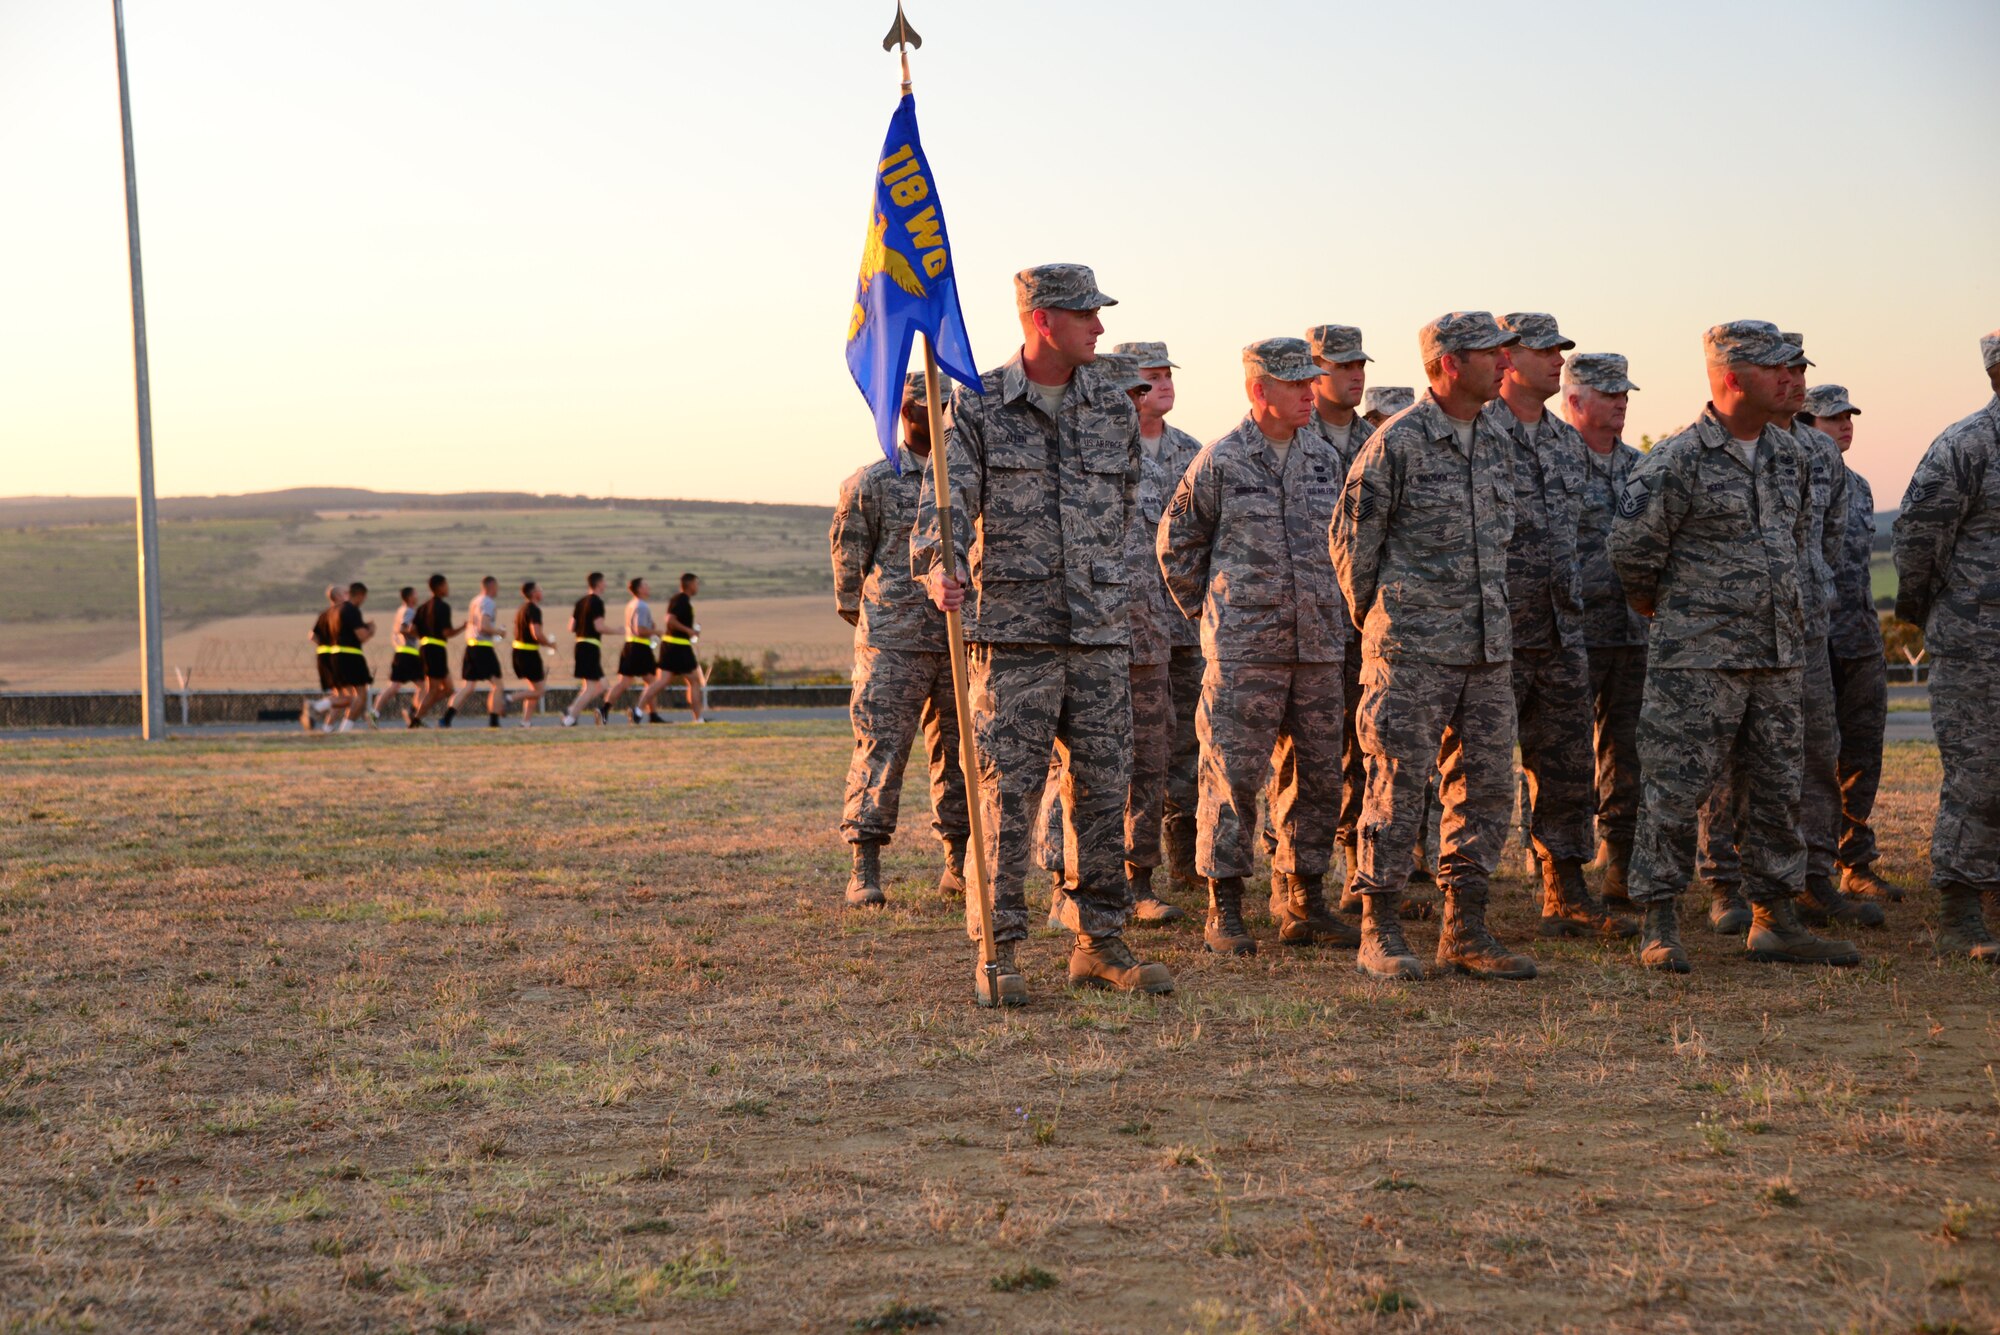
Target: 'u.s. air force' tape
{"points": [[1632, 501]]}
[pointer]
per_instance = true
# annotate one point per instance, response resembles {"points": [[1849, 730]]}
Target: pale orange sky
{"points": [[610, 247]]}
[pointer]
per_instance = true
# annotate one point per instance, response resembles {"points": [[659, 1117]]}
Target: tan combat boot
{"points": [[1384, 953], [1962, 925], [1778, 937], [1007, 987], [951, 881], [1822, 906], [864, 887], [1350, 858], [1225, 933], [1863, 883], [1617, 874], [1298, 907], [1728, 911], [1147, 907], [1465, 943], [1106, 961], [1660, 940], [1569, 909]]}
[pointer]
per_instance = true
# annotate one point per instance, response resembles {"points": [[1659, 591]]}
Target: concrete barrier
{"points": [[120, 709]]}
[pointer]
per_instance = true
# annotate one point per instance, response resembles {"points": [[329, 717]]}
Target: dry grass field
{"points": [[497, 1032]]}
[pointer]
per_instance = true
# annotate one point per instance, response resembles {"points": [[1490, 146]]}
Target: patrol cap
{"points": [[1390, 399], [1462, 331], [913, 390], [1828, 401], [1537, 329], [1754, 342], [1798, 342], [1989, 348], [1061, 287], [1282, 359], [1123, 370], [1152, 356], [1604, 372], [1337, 343]]}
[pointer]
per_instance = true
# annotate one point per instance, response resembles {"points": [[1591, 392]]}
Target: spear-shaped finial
{"points": [[900, 39]]}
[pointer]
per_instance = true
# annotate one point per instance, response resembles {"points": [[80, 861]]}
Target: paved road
{"points": [[463, 725]]}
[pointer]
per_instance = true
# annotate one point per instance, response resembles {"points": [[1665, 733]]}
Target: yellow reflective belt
{"points": [[408, 649], [429, 639], [582, 639], [523, 644], [675, 639], [479, 644], [344, 649], [324, 649]]}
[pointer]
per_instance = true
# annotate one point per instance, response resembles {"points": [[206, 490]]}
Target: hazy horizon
{"points": [[610, 250]]}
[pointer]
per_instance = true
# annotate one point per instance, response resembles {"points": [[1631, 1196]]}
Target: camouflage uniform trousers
{"points": [[1183, 804], [1723, 813], [1694, 725], [1552, 697], [1152, 742], [896, 692], [1254, 716], [1075, 700], [1420, 720], [1965, 710], [1861, 686], [1617, 688]]}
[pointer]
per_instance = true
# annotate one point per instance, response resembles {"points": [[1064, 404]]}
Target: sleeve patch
{"points": [[1182, 503], [1632, 501]]}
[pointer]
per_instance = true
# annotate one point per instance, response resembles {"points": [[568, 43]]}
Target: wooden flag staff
{"points": [[979, 888]]}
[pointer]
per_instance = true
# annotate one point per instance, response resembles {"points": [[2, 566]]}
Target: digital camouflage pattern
{"points": [[1553, 726], [1694, 723], [870, 541], [1715, 534], [1152, 743], [898, 692], [1421, 719], [1828, 401], [1608, 619], [1856, 629], [1042, 510], [1151, 356], [1725, 812], [1336, 343], [1757, 342], [1256, 718], [1989, 349], [1861, 695], [1157, 623], [1068, 287], [1536, 329], [1947, 540], [1028, 700], [1177, 826], [1386, 399], [1420, 541], [1243, 546], [1283, 358], [1827, 535], [1605, 372], [1462, 331], [1617, 692], [1948, 571]]}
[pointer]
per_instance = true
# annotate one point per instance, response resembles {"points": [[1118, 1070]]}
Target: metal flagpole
{"points": [[978, 884], [153, 698]]}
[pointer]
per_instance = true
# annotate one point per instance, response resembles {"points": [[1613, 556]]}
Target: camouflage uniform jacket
{"points": [[1043, 510], [1857, 630], [1357, 436], [871, 570], [1829, 528], [1544, 576], [1720, 547], [1420, 541], [1948, 539], [1244, 544], [1154, 611], [1608, 620]]}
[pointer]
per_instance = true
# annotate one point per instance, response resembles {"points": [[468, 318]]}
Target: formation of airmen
{"points": [[653, 657], [1357, 602]]}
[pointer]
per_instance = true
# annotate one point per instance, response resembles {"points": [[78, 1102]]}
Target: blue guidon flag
{"points": [[906, 283]]}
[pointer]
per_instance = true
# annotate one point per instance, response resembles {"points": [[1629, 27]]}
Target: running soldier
{"points": [[1545, 599], [1860, 673], [677, 660], [322, 637], [529, 641], [1595, 396], [1420, 544], [350, 661], [434, 635], [902, 670], [1044, 465], [1166, 451], [1244, 547], [586, 623], [406, 665], [481, 662], [1947, 568], [636, 662], [1711, 543]]}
